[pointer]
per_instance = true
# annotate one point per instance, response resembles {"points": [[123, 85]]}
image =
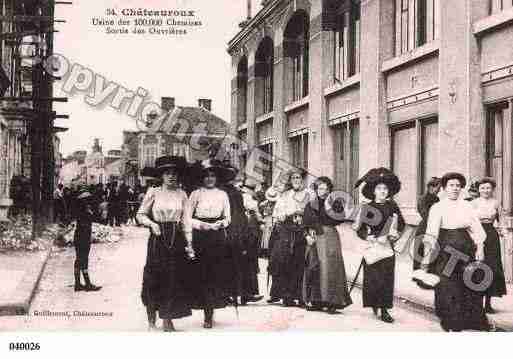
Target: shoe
{"points": [[253, 299], [168, 326], [79, 287], [301, 304], [273, 300], [288, 303], [91, 288], [314, 308], [332, 311], [208, 324], [386, 317], [375, 311]]}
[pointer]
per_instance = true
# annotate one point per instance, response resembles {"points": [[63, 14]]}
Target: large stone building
{"points": [[419, 86], [192, 132]]}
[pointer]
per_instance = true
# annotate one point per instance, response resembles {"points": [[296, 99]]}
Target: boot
{"points": [[168, 325], [375, 311], [89, 287], [488, 306], [152, 318], [78, 286], [209, 314], [385, 316]]}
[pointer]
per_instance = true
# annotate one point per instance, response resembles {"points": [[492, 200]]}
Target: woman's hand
{"points": [[310, 240], [480, 253], [190, 251], [155, 228]]}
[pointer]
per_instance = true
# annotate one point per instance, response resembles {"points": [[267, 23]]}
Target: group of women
{"points": [[198, 256]]}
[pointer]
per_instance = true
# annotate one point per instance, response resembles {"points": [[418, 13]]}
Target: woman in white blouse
{"points": [[488, 212], [453, 225], [164, 279], [207, 217]]}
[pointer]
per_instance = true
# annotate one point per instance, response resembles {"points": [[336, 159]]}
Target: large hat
{"points": [[272, 194], [149, 172], [376, 176], [223, 173], [84, 193], [166, 162]]}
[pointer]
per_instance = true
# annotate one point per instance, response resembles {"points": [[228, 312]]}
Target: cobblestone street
{"points": [[118, 268]]}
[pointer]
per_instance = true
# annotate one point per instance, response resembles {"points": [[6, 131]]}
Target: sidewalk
{"points": [[407, 290], [20, 274]]}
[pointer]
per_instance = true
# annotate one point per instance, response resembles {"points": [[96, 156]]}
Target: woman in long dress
{"points": [[288, 253], [325, 283], [455, 228], [378, 278], [207, 217], [164, 287], [488, 212]]}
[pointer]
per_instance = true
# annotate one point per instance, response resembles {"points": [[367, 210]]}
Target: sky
{"points": [[186, 67]]}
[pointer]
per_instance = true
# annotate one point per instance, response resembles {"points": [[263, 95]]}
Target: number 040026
{"points": [[24, 346]]}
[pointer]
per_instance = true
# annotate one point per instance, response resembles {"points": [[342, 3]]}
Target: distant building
{"points": [[192, 132]]}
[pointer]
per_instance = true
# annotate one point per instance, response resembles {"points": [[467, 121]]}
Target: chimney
{"points": [[167, 104], [205, 103]]}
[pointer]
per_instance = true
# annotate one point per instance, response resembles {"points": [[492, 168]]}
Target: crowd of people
{"points": [[209, 225]]}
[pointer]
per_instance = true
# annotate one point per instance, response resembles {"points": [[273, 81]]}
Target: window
{"points": [[296, 47], [347, 139], [242, 90], [264, 73], [496, 6], [494, 146], [268, 174], [414, 158], [417, 23], [150, 155], [346, 41], [299, 150]]}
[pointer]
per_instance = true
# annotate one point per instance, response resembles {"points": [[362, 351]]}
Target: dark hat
{"points": [[484, 180], [83, 193], [453, 175], [376, 176], [149, 172], [166, 162], [200, 169]]}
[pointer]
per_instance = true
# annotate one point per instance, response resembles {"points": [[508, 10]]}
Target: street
{"points": [[118, 268]]}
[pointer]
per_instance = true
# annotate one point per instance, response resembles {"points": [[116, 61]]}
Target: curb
{"points": [[19, 303]]}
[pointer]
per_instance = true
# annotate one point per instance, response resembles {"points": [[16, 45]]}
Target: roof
{"points": [[198, 120]]}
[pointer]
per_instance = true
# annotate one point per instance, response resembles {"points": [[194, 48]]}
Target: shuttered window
{"points": [[347, 141], [416, 23], [496, 6], [346, 41], [299, 150], [494, 146]]}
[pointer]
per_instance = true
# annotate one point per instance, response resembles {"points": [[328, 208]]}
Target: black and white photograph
{"points": [[255, 166]]}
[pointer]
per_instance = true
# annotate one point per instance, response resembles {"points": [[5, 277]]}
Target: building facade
{"points": [[419, 86], [192, 132]]}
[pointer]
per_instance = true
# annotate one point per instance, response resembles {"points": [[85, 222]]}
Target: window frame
{"points": [[346, 41], [416, 24]]}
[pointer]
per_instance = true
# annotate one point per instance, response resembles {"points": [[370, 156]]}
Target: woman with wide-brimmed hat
{"points": [[453, 227], [378, 277], [164, 288], [488, 212], [207, 217], [287, 261], [325, 283], [82, 239]]}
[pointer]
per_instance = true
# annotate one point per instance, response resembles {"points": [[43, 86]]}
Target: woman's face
{"points": [[210, 179], [381, 192], [170, 178], [453, 189], [296, 181], [322, 190], [486, 190]]}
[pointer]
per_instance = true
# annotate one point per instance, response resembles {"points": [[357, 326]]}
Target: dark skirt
{"points": [[288, 263], [493, 258], [211, 273], [164, 285], [378, 283], [457, 306], [325, 274]]}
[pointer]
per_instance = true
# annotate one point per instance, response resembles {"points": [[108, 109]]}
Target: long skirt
{"points": [[212, 272], [288, 263], [164, 286], [378, 283], [493, 258], [325, 274], [249, 263], [457, 305]]}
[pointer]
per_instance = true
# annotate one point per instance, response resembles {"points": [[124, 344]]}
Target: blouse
{"points": [[163, 205], [290, 202], [207, 203], [455, 214], [487, 210]]}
